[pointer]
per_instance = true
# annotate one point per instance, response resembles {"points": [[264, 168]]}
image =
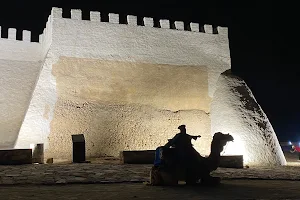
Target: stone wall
{"points": [[124, 86], [234, 110], [19, 68], [126, 105]]}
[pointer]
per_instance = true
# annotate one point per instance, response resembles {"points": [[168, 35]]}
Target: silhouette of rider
{"points": [[185, 152], [182, 140]]}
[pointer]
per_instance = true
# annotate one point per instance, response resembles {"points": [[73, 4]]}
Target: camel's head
{"points": [[220, 140], [223, 137]]}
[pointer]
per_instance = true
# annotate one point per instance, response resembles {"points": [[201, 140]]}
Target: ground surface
{"points": [[229, 189], [114, 172], [122, 181]]}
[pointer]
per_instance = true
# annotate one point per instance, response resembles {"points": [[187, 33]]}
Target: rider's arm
{"points": [[194, 137], [171, 141]]}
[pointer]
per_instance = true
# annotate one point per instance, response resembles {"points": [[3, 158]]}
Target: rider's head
{"points": [[182, 128]]}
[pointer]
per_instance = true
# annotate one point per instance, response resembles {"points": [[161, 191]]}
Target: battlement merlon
{"points": [[45, 39], [12, 35], [132, 20]]}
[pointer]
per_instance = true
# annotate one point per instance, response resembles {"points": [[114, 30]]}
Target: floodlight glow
{"points": [[290, 143]]}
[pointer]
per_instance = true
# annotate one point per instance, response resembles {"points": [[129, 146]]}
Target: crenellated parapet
{"points": [[12, 34], [114, 18], [95, 16]]}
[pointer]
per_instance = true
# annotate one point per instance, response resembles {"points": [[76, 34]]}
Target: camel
{"points": [[195, 169]]}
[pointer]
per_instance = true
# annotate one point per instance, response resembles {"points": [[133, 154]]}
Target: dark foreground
{"points": [[229, 189]]}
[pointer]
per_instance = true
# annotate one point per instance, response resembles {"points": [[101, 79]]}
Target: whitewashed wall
{"points": [[19, 68], [235, 110], [119, 42], [20, 63]]}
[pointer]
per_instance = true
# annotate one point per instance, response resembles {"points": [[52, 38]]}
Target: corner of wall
{"points": [[223, 30], [45, 39], [56, 13]]}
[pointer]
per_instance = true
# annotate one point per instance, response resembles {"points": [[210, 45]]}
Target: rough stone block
{"points": [[194, 27], [26, 36], [38, 154], [113, 18], [137, 157], [15, 156], [12, 33], [148, 21], [179, 25], [208, 28], [164, 23], [95, 16], [41, 36], [76, 14], [223, 30], [148, 156], [132, 20], [78, 148], [235, 161], [56, 12]]}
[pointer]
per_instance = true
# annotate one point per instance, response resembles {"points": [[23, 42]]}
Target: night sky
{"points": [[262, 43]]}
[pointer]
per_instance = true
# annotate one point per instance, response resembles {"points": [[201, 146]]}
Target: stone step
{"points": [[148, 156], [137, 157], [15, 156], [235, 161]]}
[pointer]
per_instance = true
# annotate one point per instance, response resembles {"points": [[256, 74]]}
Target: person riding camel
{"points": [[182, 140], [183, 145]]}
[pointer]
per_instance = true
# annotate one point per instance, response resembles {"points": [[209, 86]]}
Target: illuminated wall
{"points": [[19, 68], [124, 86], [234, 110]]}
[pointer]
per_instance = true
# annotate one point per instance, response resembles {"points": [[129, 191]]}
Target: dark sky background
{"points": [[262, 43]]}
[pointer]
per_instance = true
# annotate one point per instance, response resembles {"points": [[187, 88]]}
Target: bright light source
{"points": [[290, 143]]}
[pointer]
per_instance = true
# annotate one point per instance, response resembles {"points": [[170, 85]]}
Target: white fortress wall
{"points": [[116, 84], [20, 64], [234, 110], [112, 41], [33, 125]]}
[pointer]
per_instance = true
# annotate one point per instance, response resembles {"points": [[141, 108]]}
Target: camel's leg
{"points": [[210, 180], [160, 176], [155, 176]]}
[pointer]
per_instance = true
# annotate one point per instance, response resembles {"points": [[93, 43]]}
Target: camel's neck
{"points": [[214, 156], [214, 153]]}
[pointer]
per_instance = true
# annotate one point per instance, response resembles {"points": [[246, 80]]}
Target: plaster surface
{"points": [[126, 87], [234, 110], [75, 38], [20, 50], [126, 105], [167, 87], [17, 82], [121, 42]]}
